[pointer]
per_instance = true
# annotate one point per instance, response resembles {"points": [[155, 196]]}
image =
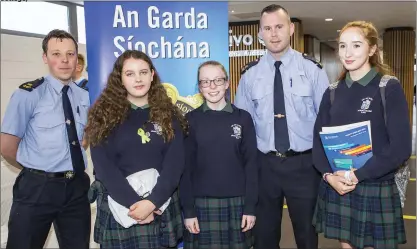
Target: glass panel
{"points": [[34, 17]]}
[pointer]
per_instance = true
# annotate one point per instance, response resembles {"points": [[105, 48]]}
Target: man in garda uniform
{"points": [[282, 91], [41, 134]]}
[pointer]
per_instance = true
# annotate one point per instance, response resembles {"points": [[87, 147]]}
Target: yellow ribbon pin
{"points": [[144, 137]]}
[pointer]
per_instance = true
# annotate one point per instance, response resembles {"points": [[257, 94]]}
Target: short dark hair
{"points": [[58, 34], [272, 8]]}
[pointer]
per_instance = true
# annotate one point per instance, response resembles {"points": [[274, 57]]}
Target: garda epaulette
{"points": [[249, 65], [307, 57], [83, 84], [30, 85]]}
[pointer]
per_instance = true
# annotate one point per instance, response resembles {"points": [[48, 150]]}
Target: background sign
{"points": [[178, 36]]}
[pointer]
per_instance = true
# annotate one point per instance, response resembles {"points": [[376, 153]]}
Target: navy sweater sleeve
{"points": [[319, 156], [398, 128], [104, 157], [186, 188], [172, 169], [250, 156]]}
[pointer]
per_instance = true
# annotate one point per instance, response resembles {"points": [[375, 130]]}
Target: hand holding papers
{"points": [[142, 182], [347, 147]]}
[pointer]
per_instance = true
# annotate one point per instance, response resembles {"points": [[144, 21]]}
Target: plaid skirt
{"points": [[220, 221], [165, 231], [369, 216]]}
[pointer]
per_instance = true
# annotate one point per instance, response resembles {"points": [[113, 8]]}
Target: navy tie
{"points": [[282, 142], [75, 148]]}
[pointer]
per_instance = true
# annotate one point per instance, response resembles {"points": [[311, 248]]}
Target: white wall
{"points": [[21, 61]]}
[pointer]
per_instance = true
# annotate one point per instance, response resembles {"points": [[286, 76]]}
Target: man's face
{"points": [[276, 31], [61, 58]]}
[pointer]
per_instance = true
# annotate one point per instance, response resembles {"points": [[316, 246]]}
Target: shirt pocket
{"points": [[262, 101], [302, 101], [50, 127], [262, 98]]}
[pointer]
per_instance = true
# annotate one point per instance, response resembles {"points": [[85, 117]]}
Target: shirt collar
{"points": [[57, 85], [364, 80], [135, 107], [285, 58], [227, 108]]}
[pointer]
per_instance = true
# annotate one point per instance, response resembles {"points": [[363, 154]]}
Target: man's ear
{"points": [[45, 59]]}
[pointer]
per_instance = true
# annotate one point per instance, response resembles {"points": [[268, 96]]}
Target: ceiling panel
{"points": [[384, 14]]}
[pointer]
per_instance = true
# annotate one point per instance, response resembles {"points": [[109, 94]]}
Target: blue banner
{"points": [[178, 36]]}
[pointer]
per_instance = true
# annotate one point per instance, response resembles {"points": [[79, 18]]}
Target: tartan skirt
{"points": [[220, 221], [369, 216], [164, 232]]}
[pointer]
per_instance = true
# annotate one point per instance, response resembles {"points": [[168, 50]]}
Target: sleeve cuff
{"points": [[249, 209], [190, 213], [157, 202], [361, 174], [12, 133]]}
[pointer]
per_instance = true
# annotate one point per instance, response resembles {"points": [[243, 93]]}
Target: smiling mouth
{"points": [[213, 94], [349, 61], [138, 87]]}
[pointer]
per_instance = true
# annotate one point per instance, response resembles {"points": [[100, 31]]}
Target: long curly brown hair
{"points": [[112, 106]]}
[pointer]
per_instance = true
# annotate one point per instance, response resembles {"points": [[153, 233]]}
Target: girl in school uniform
{"points": [[219, 188], [132, 127], [362, 208]]}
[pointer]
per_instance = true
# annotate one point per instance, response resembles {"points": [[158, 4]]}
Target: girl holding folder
{"points": [[132, 127], [362, 208]]}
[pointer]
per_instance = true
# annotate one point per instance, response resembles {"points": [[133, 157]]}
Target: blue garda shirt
{"points": [[304, 83], [35, 114]]}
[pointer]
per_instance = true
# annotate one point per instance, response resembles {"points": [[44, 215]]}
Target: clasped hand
{"points": [[143, 212], [248, 221], [340, 183]]}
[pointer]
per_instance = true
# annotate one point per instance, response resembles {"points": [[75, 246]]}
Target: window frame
{"points": [[75, 19], [72, 22]]}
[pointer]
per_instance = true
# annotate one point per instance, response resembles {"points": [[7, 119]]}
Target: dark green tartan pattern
{"points": [[165, 231], [220, 222], [369, 216]]}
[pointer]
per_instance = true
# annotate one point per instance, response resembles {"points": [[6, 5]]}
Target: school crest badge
{"points": [[157, 129], [237, 131], [366, 102]]}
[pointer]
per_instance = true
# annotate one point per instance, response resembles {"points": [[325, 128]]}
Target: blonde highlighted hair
{"points": [[211, 63], [370, 33], [218, 64]]}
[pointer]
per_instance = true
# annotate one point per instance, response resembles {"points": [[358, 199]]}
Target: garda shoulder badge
{"points": [[307, 57], [249, 65], [83, 84], [30, 85]]}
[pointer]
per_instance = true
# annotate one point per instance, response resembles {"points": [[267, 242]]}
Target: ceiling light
{"points": [[338, 30], [328, 19], [232, 11]]}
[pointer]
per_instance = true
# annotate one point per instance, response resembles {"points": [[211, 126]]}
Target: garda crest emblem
{"points": [[237, 131]]}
